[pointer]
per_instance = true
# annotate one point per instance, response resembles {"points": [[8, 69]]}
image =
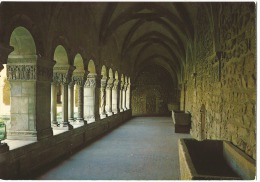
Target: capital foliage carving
{"points": [[110, 83], [79, 80], [115, 87], [29, 69], [103, 83], [90, 83], [62, 78], [21, 72]]}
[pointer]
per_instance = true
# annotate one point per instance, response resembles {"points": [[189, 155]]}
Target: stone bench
{"points": [[182, 121], [213, 160]]}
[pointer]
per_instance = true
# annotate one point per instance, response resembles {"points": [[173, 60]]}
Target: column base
{"points": [[4, 148], [90, 119], [64, 126], [110, 113], [115, 111], [71, 120], [102, 116], [121, 110], [21, 135], [44, 133], [79, 122]]}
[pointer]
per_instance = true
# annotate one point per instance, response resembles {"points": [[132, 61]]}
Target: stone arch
{"points": [[104, 71], [21, 20], [111, 73], [61, 41], [23, 43], [203, 121], [91, 67], [61, 56], [78, 62], [116, 75]]}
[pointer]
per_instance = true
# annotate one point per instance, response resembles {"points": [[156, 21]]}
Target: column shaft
{"points": [[71, 102], [81, 101], [54, 104]]}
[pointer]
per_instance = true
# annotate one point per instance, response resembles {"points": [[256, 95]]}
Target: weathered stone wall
{"points": [[152, 93], [223, 76]]}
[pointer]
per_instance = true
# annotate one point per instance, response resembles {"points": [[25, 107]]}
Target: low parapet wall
{"points": [[23, 161]]}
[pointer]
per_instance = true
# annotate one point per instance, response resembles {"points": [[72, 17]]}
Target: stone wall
{"points": [[221, 82], [152, 92], [23, 161]]}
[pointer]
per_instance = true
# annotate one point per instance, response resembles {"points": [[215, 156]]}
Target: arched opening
{"points": [[61, 80], [203, 122], [77, 83], [90, 94], [102, 97]]}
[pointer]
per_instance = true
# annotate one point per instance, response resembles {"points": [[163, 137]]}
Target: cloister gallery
{"points": [[74, 71]]}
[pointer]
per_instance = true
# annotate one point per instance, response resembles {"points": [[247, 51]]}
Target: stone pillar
{"points": [[115, 97], [63, 75], [128, 96], [124, 96], [121, 97], [80, 79], [103, 97], [109, 97], [54, 103], [90, 98], [71, 102], [30, 80]]}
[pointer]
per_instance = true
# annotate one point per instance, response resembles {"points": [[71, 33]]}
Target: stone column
{"points": [[90, 98], [103, 98], [71, 102], [128, 96], [115, 97], [63, 74], [80, 79], [121, 97], [109, 97], [124, 96], [30, 79], [54, 103]]}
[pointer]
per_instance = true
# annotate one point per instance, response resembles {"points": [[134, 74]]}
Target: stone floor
{"points": [[144, 148]]}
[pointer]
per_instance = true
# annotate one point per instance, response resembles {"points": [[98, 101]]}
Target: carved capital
{"points": [[63, 74], [115, 87], [79, 80], [110, 83], [91, 82], [103, 83]]}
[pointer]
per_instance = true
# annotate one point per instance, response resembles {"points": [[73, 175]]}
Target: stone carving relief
{"points": [[110, 84], [21, 72], [62, 78], [79, 80], [90, 83], [115, 87]]}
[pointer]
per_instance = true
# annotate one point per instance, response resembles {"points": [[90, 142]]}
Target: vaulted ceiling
{"points": [[150, 33]]}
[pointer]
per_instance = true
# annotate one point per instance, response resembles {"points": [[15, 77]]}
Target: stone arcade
{"points": [[71, 72]]}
